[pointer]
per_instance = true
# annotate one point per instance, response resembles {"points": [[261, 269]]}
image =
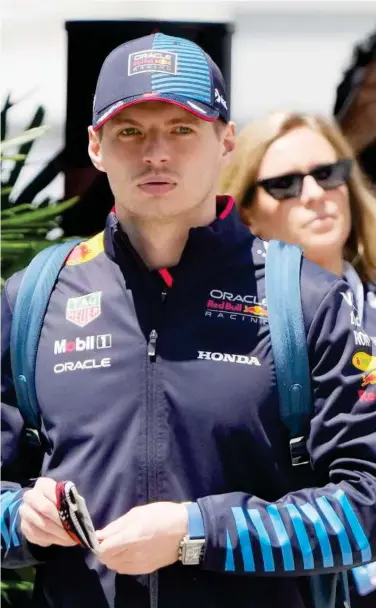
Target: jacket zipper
{"points": [[152, 351], [152, 344], [153, 336]]}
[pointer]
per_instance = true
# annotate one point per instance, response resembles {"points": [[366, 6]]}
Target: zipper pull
{"points": [[152, 344], [163, 295]]}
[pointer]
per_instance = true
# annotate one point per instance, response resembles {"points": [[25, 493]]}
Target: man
{"points": [[156, 381]]}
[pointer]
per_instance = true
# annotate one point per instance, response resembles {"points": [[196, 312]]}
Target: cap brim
{"points": [[197, 108]]}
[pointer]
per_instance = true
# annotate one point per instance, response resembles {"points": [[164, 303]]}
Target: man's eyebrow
{"points": [[119, 120], [185, 119]]}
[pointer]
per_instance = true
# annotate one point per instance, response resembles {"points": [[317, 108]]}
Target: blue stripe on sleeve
{"points": [[265, 544], [230, 564], [355, 525], [13, 532], [283, 538], [301, 534], [244, 539], [338, 528], [6, 500], [321, 533]]}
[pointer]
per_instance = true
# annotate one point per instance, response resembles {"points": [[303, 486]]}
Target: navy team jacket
{"points": [[160, 386]]}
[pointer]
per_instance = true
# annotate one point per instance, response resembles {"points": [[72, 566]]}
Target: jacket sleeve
{"points": [[317, 529], [15, 549]]}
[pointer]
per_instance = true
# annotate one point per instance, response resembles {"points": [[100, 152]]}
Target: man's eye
{"points": [[130, 131], [183, 130]]}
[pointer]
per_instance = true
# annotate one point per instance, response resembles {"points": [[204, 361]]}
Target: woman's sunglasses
{"points": [[290, 185]]}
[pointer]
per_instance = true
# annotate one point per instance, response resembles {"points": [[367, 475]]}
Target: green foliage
{"points": [[17, 589], [25, 224], [24, 227]]}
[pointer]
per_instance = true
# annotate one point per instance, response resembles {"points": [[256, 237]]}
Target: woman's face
{"points": [[319, 220]]}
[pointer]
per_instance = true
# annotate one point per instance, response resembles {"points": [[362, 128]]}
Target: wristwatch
{"points": [[192, 547]]}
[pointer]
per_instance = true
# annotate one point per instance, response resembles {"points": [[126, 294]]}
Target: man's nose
{"points": [[156, 151]]}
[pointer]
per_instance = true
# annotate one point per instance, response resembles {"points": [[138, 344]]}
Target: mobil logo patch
{"points": [[81, 344], [83, 310]]}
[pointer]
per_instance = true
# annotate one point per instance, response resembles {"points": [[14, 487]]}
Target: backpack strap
{"points": [[27, 321], [289, 342]]}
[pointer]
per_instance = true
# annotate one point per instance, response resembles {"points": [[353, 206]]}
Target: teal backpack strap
{"points": [[289, 344], [27, 321]]}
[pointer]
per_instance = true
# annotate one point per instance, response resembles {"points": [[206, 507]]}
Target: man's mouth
{"points": [[157, 185]]}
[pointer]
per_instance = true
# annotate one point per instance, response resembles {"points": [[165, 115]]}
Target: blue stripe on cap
{"points": [[192, 91], [230, 564], [355, 525], [321, 533], [338, 529], [283, 538], [301, 534], [265, 544], [244, 539], [182, 80], [189, 59]]}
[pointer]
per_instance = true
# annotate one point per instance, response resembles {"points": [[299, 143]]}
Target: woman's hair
{"points": [[242, 172]]}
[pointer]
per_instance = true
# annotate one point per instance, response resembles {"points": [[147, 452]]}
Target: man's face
{"points": [[161, 161]]}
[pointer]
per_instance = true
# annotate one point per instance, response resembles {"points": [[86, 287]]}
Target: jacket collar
{"points": [[206, 245]]}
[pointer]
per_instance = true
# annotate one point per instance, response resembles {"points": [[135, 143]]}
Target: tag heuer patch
{"points": [[152, 61], [81, 311]]}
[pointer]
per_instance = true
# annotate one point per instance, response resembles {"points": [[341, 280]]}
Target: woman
{"points": [[295, 178]]}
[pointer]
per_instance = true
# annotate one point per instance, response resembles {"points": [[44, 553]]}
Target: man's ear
{"points": [[228, 140], [95, 149]]}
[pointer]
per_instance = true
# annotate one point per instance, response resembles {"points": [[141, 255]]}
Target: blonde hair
{"points": [[241, 173]]}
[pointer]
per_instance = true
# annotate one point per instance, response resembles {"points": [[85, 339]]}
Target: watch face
{"points": [[192, 551]]}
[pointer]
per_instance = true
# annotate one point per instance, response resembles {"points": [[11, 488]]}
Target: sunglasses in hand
{"points": [[74, 515], [290, 185]]}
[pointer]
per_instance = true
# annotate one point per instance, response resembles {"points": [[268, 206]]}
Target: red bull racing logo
{"points": [[236, 307], [367, 364]]}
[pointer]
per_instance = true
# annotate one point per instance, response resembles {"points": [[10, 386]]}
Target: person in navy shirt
{"points": [[156, 381], [295, 178]]}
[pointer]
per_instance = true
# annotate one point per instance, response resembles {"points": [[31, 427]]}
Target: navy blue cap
{"points": [[160, 68]]}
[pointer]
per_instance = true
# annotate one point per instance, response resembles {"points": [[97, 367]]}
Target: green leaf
{"points": [[16, 209], [15, 157], [42, 214], [19, 585], [9, 236], [24, 138], [6, 190]]}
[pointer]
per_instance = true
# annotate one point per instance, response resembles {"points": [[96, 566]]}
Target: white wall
{"points": [[284, 54]]}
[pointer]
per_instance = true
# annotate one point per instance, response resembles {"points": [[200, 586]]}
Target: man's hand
{"points": [[40, 521], [145, 539]]}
